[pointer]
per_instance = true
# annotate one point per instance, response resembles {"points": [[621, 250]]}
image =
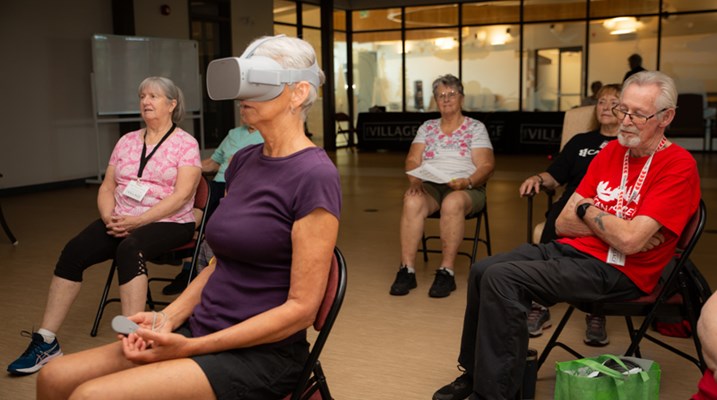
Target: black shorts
{"points": [[254, 373]]}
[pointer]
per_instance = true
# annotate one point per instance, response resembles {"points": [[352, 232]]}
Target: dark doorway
{"points": [[210, 26]]}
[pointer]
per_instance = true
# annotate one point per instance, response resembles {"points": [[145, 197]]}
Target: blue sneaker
{"points": [[38, 353]]}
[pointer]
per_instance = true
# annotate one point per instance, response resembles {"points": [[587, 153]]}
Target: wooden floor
{"points": [[382, 347]]}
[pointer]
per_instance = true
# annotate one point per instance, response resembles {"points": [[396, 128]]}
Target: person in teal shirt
{"points": [[236, 139]]}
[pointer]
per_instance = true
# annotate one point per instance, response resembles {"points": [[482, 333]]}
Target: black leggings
{"points": [[93, 245]]}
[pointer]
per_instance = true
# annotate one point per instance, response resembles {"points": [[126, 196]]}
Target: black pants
{"points": [[93, 245], [500, 291]]}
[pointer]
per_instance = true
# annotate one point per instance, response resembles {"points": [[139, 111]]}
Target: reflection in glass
{"points": [[491, 12], [607, 8], [688, 52], [287, 30], [552, 65], [431, 16], [547, 10], [285, 11], [314, 121], [609, 51], [340, 20], [491, 68], [377, 70], [311, 15], [340, 72], [366, 20], [430, 53]]}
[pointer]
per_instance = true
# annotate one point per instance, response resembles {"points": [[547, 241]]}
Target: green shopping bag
{"points": [[573, 383]]}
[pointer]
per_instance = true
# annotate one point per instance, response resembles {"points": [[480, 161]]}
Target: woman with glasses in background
{"points": [[568, 169], [448, 165]]}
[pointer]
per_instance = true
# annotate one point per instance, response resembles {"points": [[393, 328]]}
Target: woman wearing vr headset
{"points": [[239, 329]]}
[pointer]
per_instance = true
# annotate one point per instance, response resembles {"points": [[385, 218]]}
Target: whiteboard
{"points": [[121, 63]]}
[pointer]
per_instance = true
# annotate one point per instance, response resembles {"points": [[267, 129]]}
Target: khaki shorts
{"points": [[439, 191]]}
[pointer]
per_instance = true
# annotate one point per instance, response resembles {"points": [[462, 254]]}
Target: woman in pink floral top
{"points": [[448, 164], [145, 205]]}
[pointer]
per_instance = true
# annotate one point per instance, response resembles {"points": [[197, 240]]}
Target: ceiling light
{"points": [[621, 25], [445, 43]]}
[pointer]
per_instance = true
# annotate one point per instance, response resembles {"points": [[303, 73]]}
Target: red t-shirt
{"points": [[670, 195], [707, 387]]}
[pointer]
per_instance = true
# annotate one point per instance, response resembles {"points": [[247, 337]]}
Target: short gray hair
{"points": [[292, 53], [449, 81], [668, 91], [169, 89]]}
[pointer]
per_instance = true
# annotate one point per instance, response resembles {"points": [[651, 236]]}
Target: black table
{"points": [[511, 132]]}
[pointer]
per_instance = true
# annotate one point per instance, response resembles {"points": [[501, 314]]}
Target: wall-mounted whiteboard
{"points": [[120, 63]]}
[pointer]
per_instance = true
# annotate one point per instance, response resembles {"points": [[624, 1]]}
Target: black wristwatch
{"points": [[581, 210]]}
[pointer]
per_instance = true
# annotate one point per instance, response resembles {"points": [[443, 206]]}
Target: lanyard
{"points": [[640, 179], [144, 159]]}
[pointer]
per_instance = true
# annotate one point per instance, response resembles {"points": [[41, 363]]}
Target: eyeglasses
{"points": [[637, 119], [447, 95]]}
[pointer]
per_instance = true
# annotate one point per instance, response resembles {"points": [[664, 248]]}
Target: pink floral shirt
{"points": [[180, 149], [451, 153]]}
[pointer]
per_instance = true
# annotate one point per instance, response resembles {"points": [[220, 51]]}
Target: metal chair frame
{"points": [[190, 248], [663, 299]]}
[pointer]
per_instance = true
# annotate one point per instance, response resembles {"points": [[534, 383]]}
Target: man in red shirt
{"points": [[617, 231]]}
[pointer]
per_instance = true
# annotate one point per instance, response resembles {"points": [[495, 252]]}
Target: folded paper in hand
{"points": [[427, 172]]}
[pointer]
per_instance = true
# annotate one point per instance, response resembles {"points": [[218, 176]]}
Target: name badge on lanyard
{"points": [[615, 256], [136, 190]]}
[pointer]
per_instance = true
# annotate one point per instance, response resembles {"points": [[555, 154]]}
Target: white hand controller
{"points": [[123, 325]]}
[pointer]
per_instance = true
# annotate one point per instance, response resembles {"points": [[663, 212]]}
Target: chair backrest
{"points": [[692, 231], [685, 244], [343, 118], [578, 120], [201, 197], [689, 119], [325, 318], [201, 201]]}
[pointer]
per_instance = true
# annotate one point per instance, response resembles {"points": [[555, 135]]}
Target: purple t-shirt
{"points": [[250, 233]]}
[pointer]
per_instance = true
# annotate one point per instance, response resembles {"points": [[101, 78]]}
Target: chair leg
{"points": [[553, 342], [6, 228], [424, 242], [476, 238], [103, 301], [321, 382], [487, 230]]}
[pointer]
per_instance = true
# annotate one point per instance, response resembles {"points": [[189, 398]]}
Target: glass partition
{"points": [[367, 20], [611, 44], [552, 65], [491, 12], [491, 67], [430, 53], [377, 70]]}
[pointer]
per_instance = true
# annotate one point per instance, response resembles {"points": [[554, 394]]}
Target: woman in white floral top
{"points": [[448, 165]]}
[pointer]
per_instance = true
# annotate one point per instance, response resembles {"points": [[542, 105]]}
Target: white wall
{"points": [[149, 21], [48, 132], [47, 129]]}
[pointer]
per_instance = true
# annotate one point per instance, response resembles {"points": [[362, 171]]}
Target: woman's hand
{"points": [[154, 321], [530, 186], [145, 346], [416, 189], [122, 225], [459, 184]]}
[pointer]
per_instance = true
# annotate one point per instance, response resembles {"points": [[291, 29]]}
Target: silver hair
{"points": [[449, 81], [170, 90], [292, 53], [668, 91]]}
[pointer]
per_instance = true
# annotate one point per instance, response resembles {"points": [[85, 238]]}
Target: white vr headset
{"points": [[254, 78]]}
